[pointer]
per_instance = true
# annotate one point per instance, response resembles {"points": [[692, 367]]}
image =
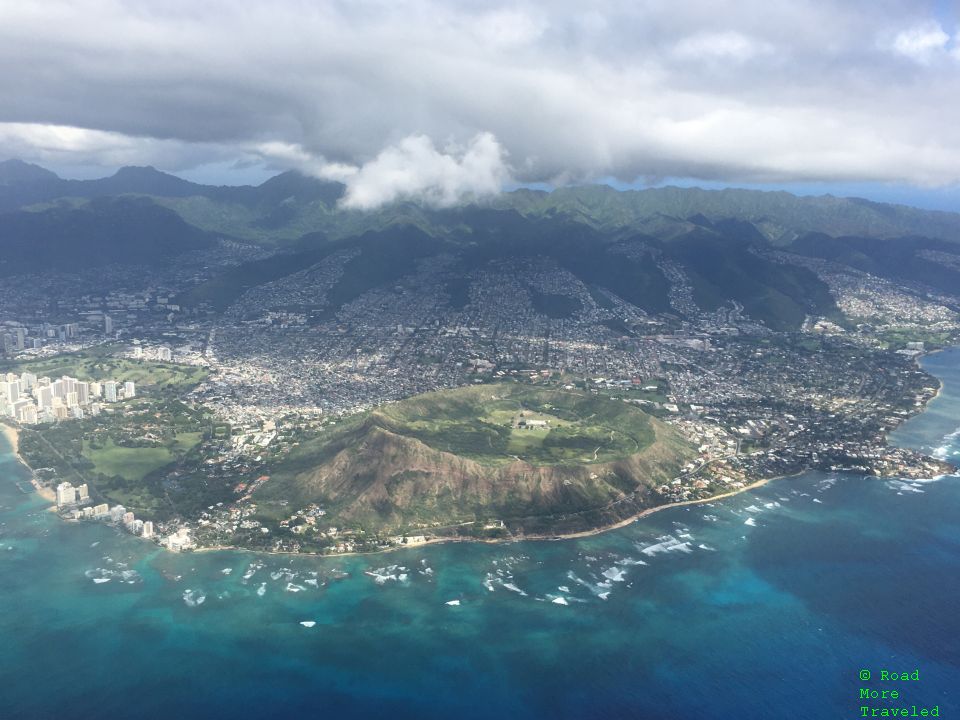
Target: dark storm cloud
{"points": [[439, 99]]}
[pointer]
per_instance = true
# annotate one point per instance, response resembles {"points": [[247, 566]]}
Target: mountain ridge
{"points": [[291, 204]]}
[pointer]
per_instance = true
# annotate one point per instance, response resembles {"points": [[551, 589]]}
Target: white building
{"points": [[66, 494]]}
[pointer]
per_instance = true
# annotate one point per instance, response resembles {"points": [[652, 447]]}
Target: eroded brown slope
{"points": [[388, 482]]}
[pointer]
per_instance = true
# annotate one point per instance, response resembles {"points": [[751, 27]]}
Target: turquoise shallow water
{"points": [[765, 605]]}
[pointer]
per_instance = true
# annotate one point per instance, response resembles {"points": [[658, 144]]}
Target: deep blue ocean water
{"points": [[765, 605]]}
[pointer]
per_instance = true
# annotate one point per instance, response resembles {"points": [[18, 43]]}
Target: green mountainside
{"points": [[538, 459], [123, 230], [616, 243]]}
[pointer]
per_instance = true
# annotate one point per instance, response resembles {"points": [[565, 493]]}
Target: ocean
{"points": [[764, 605]]}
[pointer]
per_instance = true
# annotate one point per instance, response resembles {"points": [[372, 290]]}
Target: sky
{"points": [[442, 102]]}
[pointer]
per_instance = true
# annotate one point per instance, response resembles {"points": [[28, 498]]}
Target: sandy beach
{"points": [[515, 538], [12, 435]]}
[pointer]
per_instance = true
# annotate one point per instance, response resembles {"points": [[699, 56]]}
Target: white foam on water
{"points": [[560, 601], [262, 590], [227, 571], [751, 522], [488, 582], [252, 570], [704, 546], [667, 544], [293, 588], [614, 574], [818, 500], [603, 595], [937, 478], [193, 598], [101, 580], [948, 441], [753, 509], [513, 588], [308, 623], [902, 487], [312, 581], [563, 588], [452, 602]]}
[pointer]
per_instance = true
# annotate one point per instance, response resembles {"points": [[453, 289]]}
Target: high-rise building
{"points": [[72, 400], [20, 408], [164, 353], [59, 389], [10, 390], [20, 338], [107, 324], [138, 352], [129, 390], [66, 494], [117, 512], [44, 395], [110, 391], [83, 493], [83, 393], [27, 381], [147, 529]]}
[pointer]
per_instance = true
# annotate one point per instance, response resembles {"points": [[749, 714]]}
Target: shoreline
{"points": [[12, 436], [518, 538]]}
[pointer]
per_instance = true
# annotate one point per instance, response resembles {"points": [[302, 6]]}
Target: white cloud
{"points": [[415, 169], [412, 169], [788, 90], [921, 43], [64, 144], [721, 46]]}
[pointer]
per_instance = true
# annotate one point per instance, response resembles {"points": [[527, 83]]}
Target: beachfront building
{"points": [[66, 494]]}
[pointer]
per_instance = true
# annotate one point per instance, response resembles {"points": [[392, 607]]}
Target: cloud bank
{"points": [[440, 101]]}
